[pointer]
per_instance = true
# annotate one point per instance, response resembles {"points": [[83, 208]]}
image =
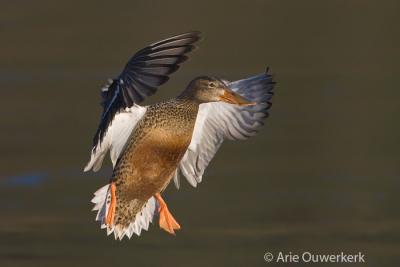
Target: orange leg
{"points": [[167, 221], [111, 209]]}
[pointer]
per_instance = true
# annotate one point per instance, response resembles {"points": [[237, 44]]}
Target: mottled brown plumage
{"points": [[157, 145], [152, 154], [149, 145]]}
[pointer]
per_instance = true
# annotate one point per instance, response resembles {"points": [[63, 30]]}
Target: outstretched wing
{"points": [[217, 121], [145, 71], [143, 74]]}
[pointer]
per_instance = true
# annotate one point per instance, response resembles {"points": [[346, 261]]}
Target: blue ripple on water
{"points": [[32, 179]]}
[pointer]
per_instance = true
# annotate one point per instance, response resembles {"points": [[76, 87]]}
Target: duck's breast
{"points": [[147, 165]]}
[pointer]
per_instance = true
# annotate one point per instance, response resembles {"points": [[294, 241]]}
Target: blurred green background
{"points": [[322, 176]]}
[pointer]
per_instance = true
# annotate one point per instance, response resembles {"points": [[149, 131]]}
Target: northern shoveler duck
{"points": [[152, 145]]}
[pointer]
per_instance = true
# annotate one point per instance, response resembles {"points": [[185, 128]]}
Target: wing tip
{"points": [[89, 165], [270, 75], [193, 33], [194, 37]]}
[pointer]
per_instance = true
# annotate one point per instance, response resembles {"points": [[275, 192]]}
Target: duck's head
{"points": [[209, 89]]}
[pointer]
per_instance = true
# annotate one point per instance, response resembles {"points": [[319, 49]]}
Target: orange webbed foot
{"points": [[167, 221], [111, 208]]}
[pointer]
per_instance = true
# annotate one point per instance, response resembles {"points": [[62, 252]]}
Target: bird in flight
{"points": [[151, 145]]}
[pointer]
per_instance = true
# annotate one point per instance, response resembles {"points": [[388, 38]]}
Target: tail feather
{"points": [[141, 221]]}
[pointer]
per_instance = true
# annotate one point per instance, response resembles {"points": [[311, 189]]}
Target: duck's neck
{"points": [[188, 103]]}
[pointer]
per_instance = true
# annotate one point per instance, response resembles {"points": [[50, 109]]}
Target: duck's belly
{"points": [[147, 167]]}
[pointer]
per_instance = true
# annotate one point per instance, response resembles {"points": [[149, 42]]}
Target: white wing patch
{"points": [[116, 137]]}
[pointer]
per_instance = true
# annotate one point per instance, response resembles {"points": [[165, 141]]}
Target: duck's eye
{"points": [[212, 84]]}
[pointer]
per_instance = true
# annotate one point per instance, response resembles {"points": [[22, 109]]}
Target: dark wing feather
{"points": [[143, 74]]}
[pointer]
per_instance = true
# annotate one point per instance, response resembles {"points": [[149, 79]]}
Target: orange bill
{"points": [[236, 99]]}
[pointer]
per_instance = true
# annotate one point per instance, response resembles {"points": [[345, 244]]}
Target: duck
{"points": [[152, 145]]}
